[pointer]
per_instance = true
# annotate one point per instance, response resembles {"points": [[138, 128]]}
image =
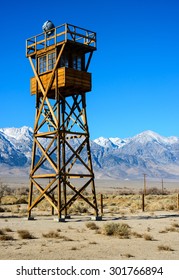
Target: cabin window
{"points": [[42, 64], [77, 63], [64, 60], [47, 62], [51, 60]]}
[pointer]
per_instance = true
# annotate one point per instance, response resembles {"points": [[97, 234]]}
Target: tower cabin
{"points": [[69, 50]]}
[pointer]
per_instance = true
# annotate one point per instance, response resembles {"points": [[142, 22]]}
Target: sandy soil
{"points": [[76, 241]]}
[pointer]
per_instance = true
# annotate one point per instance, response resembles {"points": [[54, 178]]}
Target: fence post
{"points": [[143, 202], [101, 205]]}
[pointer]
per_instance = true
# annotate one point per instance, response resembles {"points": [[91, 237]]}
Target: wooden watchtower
{"points": [[61, 156]]}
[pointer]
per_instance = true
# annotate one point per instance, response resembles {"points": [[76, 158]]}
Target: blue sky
{"points": [[135, 69]]}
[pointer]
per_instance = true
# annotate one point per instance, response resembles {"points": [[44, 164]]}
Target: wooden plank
{"points": [[73, 176], [39, 176], [43, 134], [66, 78]]}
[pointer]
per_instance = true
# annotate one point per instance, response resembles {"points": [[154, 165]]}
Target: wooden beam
{"points": [[42, 193], [44, 152], [46, 196]]}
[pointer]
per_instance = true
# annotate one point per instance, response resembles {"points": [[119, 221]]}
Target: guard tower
{"points": [[61, 168]]}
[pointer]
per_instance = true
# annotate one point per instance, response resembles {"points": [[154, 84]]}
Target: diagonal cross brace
{"points": [[45, 91]]}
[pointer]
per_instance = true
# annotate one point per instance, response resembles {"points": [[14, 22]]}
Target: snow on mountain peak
{"points": [[104, 142], [17, 133], [149, 135], [146, 136], [112, 142], [118, 141]]}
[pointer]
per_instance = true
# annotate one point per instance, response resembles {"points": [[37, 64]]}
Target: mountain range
{"points": [[113, 158]]}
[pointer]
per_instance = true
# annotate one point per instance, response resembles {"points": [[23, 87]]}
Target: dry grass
{"points": [[6, 237], [120, 230], [93, 243], [92, 225], [128, 256], [7, 229], [1, 232], [2, 210], [137, 235], [121, 202], [148, 237], [175, 225], [25, 234], [74, 248], [65, 238], [51, 234], [164, 248], [79, 207], [172, 229]]}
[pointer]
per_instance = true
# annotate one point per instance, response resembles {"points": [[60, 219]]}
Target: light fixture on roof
{"points": [[48, 27]]}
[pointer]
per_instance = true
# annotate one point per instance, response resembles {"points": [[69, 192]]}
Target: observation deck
{"points": [[68, 49], [61, 34]]}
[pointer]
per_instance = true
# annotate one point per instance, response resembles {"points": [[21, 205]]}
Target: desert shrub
{"points": [[25, 234], [6, 237], [92, 225], [170, 207], [93, 243], [148, 237], [175, 225], [1, 232], [137, 235], [120, 230], [74, 248], [21, 200], [155, 191], [4, 190], [128, 255], [171, 229], [7, 229], [8, 200], [164, 248], [79, 207], [21, 191], [2, 210], [51, 234], [65, 238]]}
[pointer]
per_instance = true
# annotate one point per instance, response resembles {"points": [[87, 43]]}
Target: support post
{"points": [[143, 202], [101, 204], [53, 198], [145, 188]]}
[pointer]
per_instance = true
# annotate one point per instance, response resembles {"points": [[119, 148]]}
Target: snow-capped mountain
{"points": [[147, 152], [111, 143], [20, 139]]}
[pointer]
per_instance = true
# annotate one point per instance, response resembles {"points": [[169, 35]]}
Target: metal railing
{"points": [[63, 33]]}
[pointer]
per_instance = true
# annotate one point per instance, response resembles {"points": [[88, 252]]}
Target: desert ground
{"points": [[125, 231]]}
